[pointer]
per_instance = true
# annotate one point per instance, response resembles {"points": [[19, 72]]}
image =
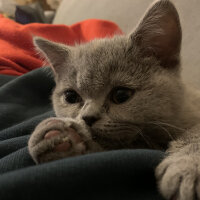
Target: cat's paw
{"points": [[179, 177], [56, 138]]}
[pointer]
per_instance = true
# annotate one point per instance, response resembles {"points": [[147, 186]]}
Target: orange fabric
{"points": [[17, 54]]}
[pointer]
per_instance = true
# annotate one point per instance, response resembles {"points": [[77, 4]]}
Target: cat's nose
{"points": [[90, 120]]}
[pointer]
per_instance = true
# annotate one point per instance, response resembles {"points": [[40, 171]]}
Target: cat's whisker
{"points": [[145, 138], [164, 129], [121, 129], [169, 125]]}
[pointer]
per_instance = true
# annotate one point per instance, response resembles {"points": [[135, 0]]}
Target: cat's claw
{"points": [[179, 177], [57, 138]]}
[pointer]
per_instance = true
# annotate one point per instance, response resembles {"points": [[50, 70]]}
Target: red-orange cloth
{"points": [[17, 54]]}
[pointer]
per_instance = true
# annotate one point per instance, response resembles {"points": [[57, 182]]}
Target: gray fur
{"points": [[162, 109]]}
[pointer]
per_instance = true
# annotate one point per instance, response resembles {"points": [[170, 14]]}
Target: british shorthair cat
{"points": [[125, 92]]}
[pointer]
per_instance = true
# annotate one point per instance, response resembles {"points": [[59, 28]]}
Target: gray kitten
{"points": [[125, 92]]}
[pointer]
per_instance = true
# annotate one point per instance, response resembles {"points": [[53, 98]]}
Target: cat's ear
{"points": [[159, 33], [55, 53]]}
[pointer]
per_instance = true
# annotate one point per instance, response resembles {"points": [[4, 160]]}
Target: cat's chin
{"points": [[145, 139], [110, 141]]}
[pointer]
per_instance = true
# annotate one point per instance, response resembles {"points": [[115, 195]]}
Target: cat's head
{"points": [[121, 85]]}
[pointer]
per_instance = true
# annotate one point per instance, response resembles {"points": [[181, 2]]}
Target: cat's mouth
{"points": [[129, 137], [114, 140]]}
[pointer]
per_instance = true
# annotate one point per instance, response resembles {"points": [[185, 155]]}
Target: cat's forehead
{"points": [[105, 63], [103, 55]]}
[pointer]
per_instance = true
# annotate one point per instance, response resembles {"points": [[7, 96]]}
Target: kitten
{"points": [[125, 92]]}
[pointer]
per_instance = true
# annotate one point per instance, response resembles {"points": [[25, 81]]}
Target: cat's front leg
{"points": [[56, 138], [178, 174]]}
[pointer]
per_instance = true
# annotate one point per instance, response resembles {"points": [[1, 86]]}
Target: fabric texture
{"points": [[17, 54], [114, 175]]}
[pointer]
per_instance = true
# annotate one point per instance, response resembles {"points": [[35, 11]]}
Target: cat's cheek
{"points": [[120, 113]]}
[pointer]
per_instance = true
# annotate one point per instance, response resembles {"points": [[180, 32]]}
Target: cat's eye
{"points": [[72, 96], [121, 94]]}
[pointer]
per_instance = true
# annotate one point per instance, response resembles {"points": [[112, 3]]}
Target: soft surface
{"points": [[17, 54], [24, 102]]}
